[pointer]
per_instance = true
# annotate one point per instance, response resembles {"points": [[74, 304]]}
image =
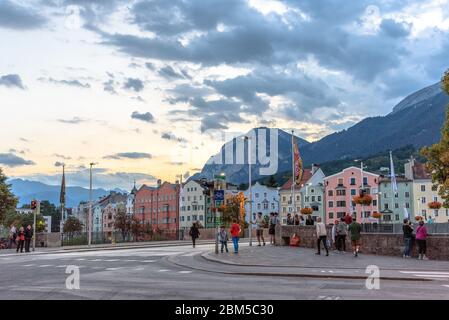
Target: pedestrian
{"points": [[321, 236], [235, 232], [223, 238], [342, 231], [260, 224], [296, 220], [430, 220], [272, 227], [289, 219], [21, 238], [421, 236], [194, 233], [309, 220], [355, 229], [334, 234], [12, 236], [28, 236], [407, 229]]}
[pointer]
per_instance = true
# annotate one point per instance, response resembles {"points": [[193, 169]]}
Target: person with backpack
{"points": [[407, 229], [223, 238], [235, 232], [321, 234], [421, 239], [342, 231], [21, 238], [28, 236], [355, 229], [194, 233]]}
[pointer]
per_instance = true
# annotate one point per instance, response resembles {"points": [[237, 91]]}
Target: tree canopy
{"points": [[8, 201]]}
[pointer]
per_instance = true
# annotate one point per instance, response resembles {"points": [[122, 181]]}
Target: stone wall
{"points": [[48, 239], [372, 243]]}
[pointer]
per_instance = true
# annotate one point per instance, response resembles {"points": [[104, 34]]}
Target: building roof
{"points": [[306, 175], [420, 172], [398, 179]]}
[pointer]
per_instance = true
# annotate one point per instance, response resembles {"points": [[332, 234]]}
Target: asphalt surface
{"points": [[181, 272]]}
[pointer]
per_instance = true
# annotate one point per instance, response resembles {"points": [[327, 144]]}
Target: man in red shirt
{"points": [[235, 232]]}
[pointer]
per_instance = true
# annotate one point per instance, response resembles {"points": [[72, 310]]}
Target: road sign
{"points": [[218, 195]]}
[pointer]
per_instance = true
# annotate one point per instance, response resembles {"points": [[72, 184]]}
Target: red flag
{"points": [[298, 162]]}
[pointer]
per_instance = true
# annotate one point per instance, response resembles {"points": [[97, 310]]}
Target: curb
{"points": [[172, 259]]}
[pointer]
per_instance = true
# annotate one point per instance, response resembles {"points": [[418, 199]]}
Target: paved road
{"points": [[170, 273]]}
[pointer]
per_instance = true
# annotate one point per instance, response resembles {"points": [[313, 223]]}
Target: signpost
{"points": [[218, 200]]}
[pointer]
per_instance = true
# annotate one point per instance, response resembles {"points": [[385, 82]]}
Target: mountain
{"points": [[27, 190], [417, 121], [237, 171]]}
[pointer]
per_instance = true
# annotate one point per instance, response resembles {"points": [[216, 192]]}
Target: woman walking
{"points": [[421, 238], [235, 232], [21, 238], [194, 233]]}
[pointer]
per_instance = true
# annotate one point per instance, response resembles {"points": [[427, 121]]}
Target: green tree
{"points": [[122, 222], [437, 155], [28, 219], [8, 201], [72, 225], [49, 209], [136, 228]]}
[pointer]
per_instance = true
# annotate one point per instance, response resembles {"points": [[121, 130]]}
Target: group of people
{"points": [[222, 235], [409, 238], [20, 238], [298, 220]]}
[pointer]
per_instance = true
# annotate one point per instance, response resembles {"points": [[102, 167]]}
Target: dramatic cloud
{"points": [[147, 117], [109, 86], [11, 80], [169, 136], [14, 16], [395, 29], [134, 84], [72, 83], [11, 160], [169, 73], [74, 120], [59, 164], [129, 155]]}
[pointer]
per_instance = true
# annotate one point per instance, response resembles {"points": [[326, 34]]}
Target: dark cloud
{"points": [[109, 86], [72, 83], [14, 16], [395, 29], [16, 151], [11, 80], [150, 66], [147, 117], [74, 120], [169, 73], [169, 136], [59, 164], [11, 160], [134, 84], [129, 155]]}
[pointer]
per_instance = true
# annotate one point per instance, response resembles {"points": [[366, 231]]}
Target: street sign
{"points": [[222, 177], [218, 221], [218, 195]]}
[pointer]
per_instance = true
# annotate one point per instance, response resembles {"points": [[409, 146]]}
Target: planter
{"points": [[363, 200], [376, 215], [434, 205], [306, 211]]}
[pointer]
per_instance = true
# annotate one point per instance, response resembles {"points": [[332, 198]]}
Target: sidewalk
{"points": [[302, 262], [107, 246]]}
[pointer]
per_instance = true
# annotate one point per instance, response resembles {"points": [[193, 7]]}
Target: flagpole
{"points": [[62, 203], [293, 177], [393, 191]]}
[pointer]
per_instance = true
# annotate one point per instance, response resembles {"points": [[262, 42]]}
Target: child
{"points": [[223, 238]]}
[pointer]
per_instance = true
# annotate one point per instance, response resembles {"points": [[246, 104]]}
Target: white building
{"points": [[130, 201], [192, 204], [264, 199]]}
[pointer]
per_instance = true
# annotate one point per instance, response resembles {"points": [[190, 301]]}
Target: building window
{"points": [[194, 217], [423, 199], [272, 206], [407, 205], [407, 194], [340, 181], [313, 198], [434, 188], [340, 214], [315, 208], [182, 218], [284, 209], [188, 218], [396, 205], [386, 206], [365, 180], [423, 188], [258, 206], [352, 182], [341, 192], [283, 199], [257, 195], [297, 198], [330, 193], [341, 203], [312, 191], [435, 212], [397, 217], [265, 206], [201, 217], [331, 204], [374, 202], [435, 198], [353, 192], [319, 198], [331, 215]]}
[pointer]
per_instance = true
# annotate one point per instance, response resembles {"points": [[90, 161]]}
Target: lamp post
{"points": [[89, 229], [362, 185], [250, 192]]}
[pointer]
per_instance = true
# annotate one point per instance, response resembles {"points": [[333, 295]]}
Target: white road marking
{"points": [[163, 270], [45, 265], [445, 285], [439, 276], [148, 260], [425, 272], [61, 266], [112, 260], [138, 269], [80, 259], [185, 272], [112, 269], [28, 265]]}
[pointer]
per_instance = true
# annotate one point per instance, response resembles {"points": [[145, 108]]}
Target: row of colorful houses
{"points": [[176, 206]]}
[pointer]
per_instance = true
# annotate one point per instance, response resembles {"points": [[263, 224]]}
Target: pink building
{"points": [[342, 187]]}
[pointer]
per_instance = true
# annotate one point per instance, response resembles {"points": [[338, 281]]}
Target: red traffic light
{"points": [[33, 204]]}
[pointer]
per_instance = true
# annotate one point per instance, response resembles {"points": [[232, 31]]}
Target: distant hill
{"points": [[27, 190]]}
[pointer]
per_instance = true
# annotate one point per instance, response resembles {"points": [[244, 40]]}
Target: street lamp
{"points": [[90, 204], [362, 184], [247, 138]]}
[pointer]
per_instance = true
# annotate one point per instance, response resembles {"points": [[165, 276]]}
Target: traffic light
{"points": [[33, 204]]}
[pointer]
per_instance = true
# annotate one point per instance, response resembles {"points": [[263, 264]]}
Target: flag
{"points": [[394, 185], [406, 213], [297, 162], [62, 194]]}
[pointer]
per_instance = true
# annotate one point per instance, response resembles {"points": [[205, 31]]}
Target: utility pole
{"points": [[36, 212], [89, 223], [250, 194]]}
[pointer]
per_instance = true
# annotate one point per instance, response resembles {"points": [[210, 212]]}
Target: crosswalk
{"points": [[430, 275]]}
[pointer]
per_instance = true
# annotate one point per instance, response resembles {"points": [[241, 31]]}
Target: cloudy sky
{"points": [[142, 87]]}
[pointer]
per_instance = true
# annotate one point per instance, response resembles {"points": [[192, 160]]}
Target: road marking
{"points": [[61, 266], [45, 265], [112, 260], [112, 269], [148, 260], [131, 260], [432, 275], [96, 260], [28, 265], [80, 259], [185, 272], [445, 285], [426, 272], [163, 270], [138, 269]]}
